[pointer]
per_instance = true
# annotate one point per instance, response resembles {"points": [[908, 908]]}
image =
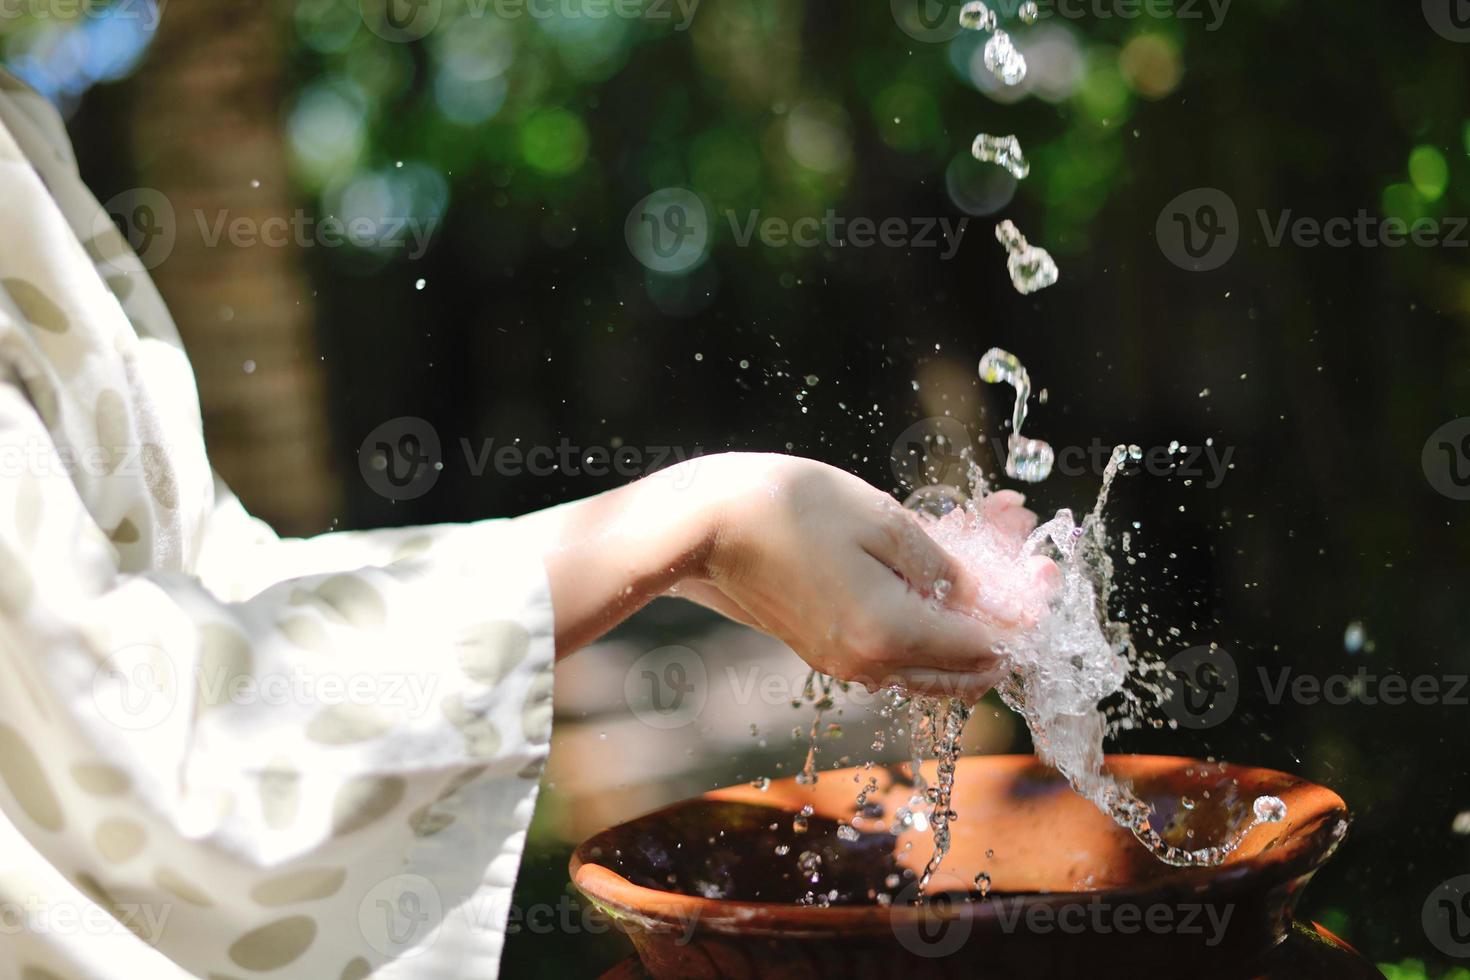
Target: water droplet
{"points": [[1004, 151], [1003, 60], [1269, 809], [936, 500], [1031, 268], [1029, 460], [1028, 12], [1354, 637], [975, 16]]}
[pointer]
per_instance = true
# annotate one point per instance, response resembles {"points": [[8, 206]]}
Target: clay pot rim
{"points": [[657, 910]]}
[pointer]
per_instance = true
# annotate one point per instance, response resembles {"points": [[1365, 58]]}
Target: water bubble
{"points": [[762, 784], [783, 849], [982, 883], [936, 500], [1004, 151], [1354, 637], [1269, 809], [1031, 268], [1028, 12], [810, 863], [1003, 60], [847, 833], [1029, 460], [975, 16]]}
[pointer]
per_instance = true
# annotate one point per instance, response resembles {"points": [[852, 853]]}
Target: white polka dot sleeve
{"points": [[224, 754]]}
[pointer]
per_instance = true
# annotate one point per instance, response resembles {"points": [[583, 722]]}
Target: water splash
{"points": [[1003, 60], [1031, 268], [1004, 151], [1028, 460]]}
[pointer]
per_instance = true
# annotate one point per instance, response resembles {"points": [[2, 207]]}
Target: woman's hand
{"points": [[850, 580], [803, 551]]}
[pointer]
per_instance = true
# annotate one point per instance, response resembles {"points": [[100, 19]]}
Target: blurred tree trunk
{"points": [[207, 125]]}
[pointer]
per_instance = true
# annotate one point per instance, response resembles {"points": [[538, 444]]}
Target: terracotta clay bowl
{"points": [[713, 886]]}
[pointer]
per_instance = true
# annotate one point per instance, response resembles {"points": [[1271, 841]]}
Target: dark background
{"points": [[1327, 368]]}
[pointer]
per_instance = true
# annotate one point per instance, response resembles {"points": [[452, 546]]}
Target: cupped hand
{"points": [[851, 581]]}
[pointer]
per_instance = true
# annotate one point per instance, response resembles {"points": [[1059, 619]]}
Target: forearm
{"points": [[607, 556]]}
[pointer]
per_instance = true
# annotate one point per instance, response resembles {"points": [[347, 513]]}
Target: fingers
{"points": [[1005, 509], [900, 629], [901, 543]]}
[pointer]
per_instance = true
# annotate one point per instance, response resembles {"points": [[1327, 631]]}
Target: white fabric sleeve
{"points": [[385, 690]]}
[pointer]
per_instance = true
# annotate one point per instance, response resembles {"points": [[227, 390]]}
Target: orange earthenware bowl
{"points": [[711, 887]]}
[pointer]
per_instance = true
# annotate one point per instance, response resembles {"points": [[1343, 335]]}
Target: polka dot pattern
{"points": [[100, 779], [354, 601], [536, 714], [365, 800], [275, 945], [482, 739], [37, 308], [181, 888], [310, 885], [347, 724], [119, 840], [225, 662], [23, 776], [114, 430], [306, 633], [492, 650]]}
